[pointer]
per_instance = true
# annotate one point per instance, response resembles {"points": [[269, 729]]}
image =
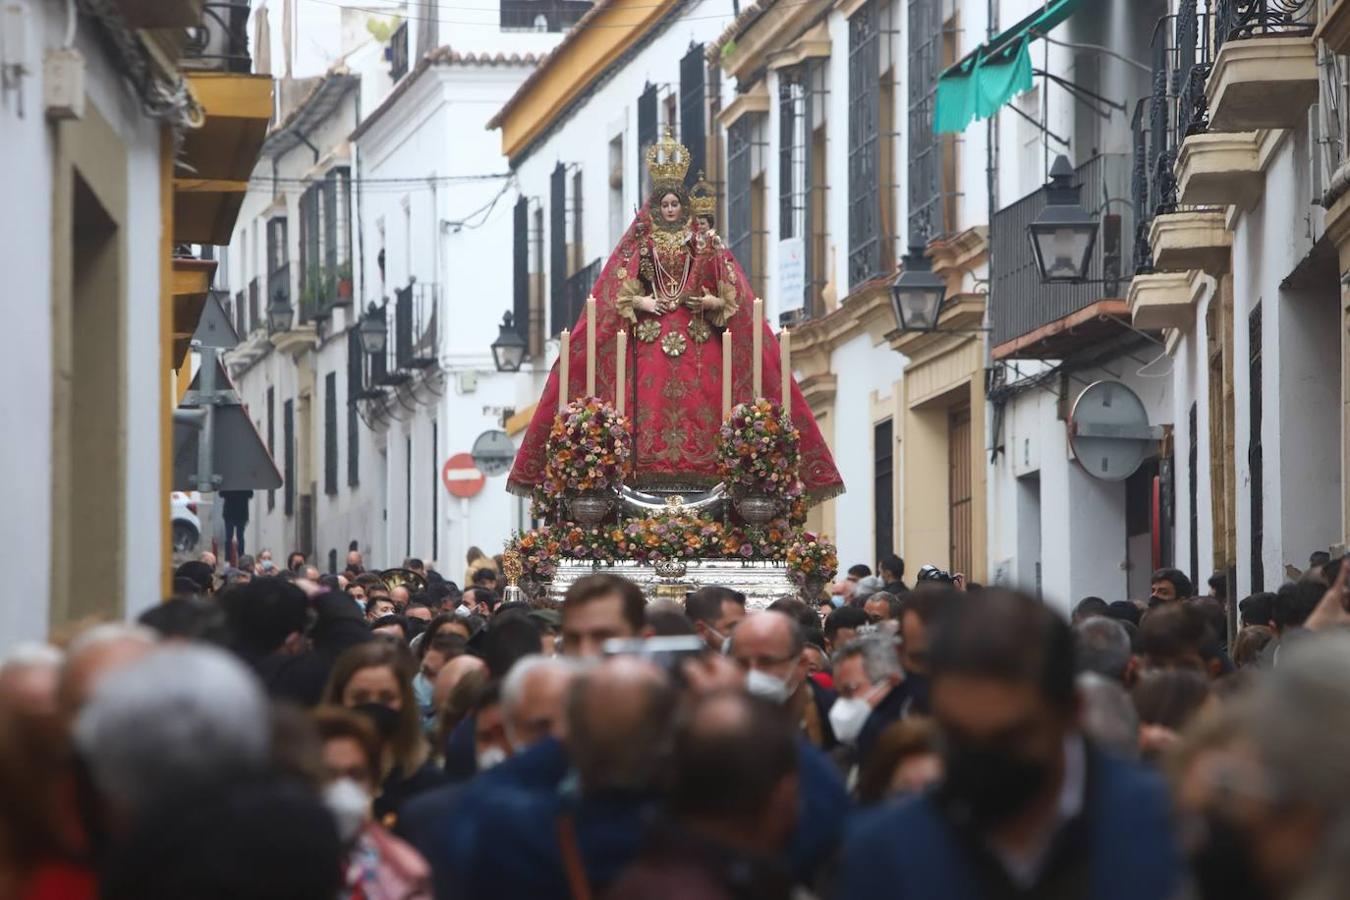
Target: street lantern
{"points": [[279, 313], [373, 331], [917, 293], [1063, 234], [508, 350]]}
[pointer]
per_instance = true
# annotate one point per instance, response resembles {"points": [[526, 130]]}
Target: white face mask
{"points": [[490, 757], [847, 718], [770, 687], [349, 804]]}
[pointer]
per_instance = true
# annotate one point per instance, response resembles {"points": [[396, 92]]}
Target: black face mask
{"points": [[384, 718], [985, 786], [1222, 865]]}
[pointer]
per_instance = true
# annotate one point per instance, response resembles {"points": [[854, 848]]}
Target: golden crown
{"points": [[667, 162], [702, 197]]}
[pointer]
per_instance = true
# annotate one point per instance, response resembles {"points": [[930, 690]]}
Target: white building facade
{"points": [[381, 195]]}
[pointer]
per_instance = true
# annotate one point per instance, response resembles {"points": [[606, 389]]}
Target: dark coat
{"points": [[1124, 845]]}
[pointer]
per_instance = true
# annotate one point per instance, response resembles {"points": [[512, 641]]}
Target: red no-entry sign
{"points": [[461, 477]]}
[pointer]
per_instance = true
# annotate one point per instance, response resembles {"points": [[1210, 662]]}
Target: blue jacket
{"points": [[496, 836], [910, 850]]}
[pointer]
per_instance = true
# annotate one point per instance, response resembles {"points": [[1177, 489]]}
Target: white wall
{"points": [[26, 156]]}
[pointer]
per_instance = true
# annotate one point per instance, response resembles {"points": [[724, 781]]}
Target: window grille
{"points": [[740, 171], [802, 99], [927, 33], [693, 127], [864, 145]]}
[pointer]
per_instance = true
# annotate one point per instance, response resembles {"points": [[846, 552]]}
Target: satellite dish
{"points": [[1109, 431], [493, 453]]}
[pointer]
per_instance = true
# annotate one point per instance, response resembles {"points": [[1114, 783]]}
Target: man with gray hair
{"points": [[533, 695], [94, 655], [869, 680], [177, 720], [1102, 645], [1107, 715], [1273, 781]]}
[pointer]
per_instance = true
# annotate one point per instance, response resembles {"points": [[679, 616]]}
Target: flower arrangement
{"points": [[589, 448], [669, 536], [811, 558], [759, 452]]}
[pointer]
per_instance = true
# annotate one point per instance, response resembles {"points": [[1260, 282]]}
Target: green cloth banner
{"points": [[996, 71]]}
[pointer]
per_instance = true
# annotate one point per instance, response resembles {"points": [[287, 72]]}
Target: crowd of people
{"points": [[283, 733]]}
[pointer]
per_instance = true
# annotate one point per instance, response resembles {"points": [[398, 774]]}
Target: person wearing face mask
{"points": [[871, 693], [376, 864], [715, 612], [770, 649], [1027, 807], [1264, 784], [375, 679]]}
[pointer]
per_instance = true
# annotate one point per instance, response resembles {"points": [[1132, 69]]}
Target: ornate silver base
{"points": [[761, 582]]}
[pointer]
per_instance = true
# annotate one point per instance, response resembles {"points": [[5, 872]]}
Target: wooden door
{"points": [[959, 489]]}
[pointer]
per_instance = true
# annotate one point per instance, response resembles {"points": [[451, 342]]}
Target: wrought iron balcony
{"points": [[279, 285], [415, 345], [575, 291], [1021, 303], [542, 15], [220, 42], [397, 52], [1237, 20]]}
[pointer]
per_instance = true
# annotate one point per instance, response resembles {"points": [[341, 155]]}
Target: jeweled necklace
{"points": [[672, 292]]}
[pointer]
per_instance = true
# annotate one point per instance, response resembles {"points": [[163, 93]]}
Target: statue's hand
{"points": [[649, 305], [710, 303]]}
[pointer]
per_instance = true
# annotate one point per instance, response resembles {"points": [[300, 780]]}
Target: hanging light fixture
{"points": [[508, 350], [917, 293], [279, 313], [373, 331], [1064, 233]]}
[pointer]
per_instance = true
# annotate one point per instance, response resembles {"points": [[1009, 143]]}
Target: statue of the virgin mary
{"points": [[674, 287]]}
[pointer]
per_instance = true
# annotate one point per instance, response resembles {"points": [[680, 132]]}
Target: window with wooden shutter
{"points": [[864, 145], [520, 268], [646, 136], [693, 120], [272, 440], [330, 438], [558, 258], [883, 488], [355, 376], [288, 457], [1255, 453]]}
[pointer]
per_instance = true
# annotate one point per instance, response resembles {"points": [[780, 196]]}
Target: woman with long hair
{"points": [[375, 679]]}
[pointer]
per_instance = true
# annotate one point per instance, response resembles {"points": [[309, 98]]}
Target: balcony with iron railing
{"points": [[1264, 70], [279, 285], [415, 345], [542, 15], [220, 42], [575, 291], [1035, 320]]}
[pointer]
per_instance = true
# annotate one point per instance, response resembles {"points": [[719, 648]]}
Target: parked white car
{"points": [[187, 528]]}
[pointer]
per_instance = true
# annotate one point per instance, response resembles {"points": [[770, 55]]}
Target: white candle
{"points": [[564, 360], [757, 352], [590, 346], [726, 374], [620, 369], [785, 364]]}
